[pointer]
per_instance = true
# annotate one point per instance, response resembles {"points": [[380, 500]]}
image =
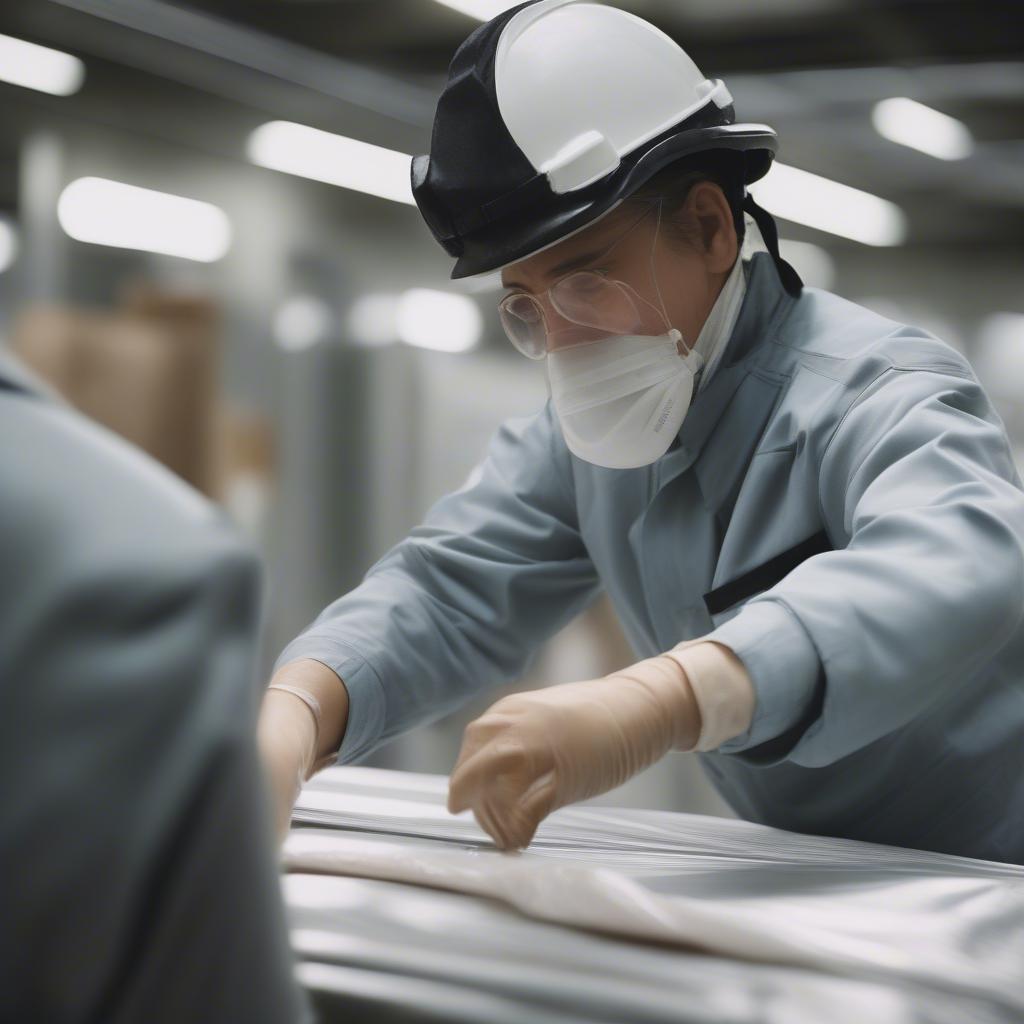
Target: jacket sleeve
{"points": [[136, 848], [466, 599], [919, 480]]}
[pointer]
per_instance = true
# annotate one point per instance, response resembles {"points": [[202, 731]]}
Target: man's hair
{"points": [[675, 181]]}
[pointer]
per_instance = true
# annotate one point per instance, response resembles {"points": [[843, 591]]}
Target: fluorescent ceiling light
{"points": [[482, 9], [334, 159], [999, 355], [912, 124], [111, 213], [302, 322], [442, 321], [917, 315], [372, 320], [8, 245], [39, 67], [826, 205], [1004, 330], [813, 263]]}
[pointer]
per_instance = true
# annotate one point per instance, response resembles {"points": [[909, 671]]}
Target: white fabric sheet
{"points": [[932, 934]]}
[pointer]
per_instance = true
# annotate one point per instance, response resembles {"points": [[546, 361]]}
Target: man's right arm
{"points": [[460, 605]]}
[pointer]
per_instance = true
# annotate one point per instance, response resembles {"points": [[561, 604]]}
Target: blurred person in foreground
{"points": [[806, 516], [135, 844]]}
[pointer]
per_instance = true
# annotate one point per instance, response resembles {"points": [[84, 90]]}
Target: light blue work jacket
{"points": [[139, 878], [840, 508]]}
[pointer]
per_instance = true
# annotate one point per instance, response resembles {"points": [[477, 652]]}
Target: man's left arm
{"points": [[856, 642]]}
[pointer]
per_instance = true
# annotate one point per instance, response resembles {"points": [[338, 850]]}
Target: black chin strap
{"points": [[766, 225]]}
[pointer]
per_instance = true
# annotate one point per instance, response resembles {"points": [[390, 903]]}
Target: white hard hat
{"points": [[555, 111], [580, 85]]}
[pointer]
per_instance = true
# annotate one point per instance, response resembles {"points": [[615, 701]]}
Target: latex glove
{"points": [[536, 751], [286, 737], [292, 744]]}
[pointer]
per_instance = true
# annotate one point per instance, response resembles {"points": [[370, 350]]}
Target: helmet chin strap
{"points": [[654, 272], [766, 225], [791, 280]]}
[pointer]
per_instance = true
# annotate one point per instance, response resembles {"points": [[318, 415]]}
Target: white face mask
{"points": [[621, 400]]}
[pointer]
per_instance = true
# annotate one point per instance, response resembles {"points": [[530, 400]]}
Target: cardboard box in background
{"points": [[147, 370], [243, 470]]}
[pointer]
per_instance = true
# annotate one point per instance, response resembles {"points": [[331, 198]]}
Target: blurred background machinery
{"points": [[207, 242]]}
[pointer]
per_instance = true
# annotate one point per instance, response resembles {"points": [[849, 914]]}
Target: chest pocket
{"points": [[763, 576]]}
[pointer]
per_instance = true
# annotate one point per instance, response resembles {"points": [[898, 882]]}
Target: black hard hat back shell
{"points": [[473, 158]]}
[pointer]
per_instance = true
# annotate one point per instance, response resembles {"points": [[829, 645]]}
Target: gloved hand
{"points": [[294, 741], [286, 735], [536, 751]]}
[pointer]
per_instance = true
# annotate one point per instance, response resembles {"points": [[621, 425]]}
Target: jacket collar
{"points": [[765, 305]]}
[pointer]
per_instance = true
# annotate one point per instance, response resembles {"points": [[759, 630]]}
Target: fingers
{"points": [[489, 818], [498, 816], [482, 730], [478, 738], [501, 756], [539, 800], [504, 783], [515, 817]]}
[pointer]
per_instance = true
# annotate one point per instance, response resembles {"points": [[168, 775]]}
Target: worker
{"points": [[136, 846], [806, 515]]}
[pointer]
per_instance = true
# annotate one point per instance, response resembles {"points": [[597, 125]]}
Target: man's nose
{"points": [[562, 332]]}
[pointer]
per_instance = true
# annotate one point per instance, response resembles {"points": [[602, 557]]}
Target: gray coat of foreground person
{"points": [[135, 845]]}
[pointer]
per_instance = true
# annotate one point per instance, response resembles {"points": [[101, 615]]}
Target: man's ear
{"points": [[716, 230]]}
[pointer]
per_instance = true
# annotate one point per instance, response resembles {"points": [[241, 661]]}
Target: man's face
{"points": [[627, 245]]}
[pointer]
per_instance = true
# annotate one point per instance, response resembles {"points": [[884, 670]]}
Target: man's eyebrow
{"points": [[569, 264]]}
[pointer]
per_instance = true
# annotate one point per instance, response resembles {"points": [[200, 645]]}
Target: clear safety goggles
{"points": [[584, 305]]}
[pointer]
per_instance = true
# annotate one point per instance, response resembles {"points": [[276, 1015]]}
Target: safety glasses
{"points": [[587, 305]]}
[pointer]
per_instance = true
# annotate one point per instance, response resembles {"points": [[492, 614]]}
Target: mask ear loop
{"points": [[633, 294], [661, 301], [654, 245], [632, 291]]}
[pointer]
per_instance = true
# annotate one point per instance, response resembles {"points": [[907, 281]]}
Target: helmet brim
{"points": [[510, 241]]}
